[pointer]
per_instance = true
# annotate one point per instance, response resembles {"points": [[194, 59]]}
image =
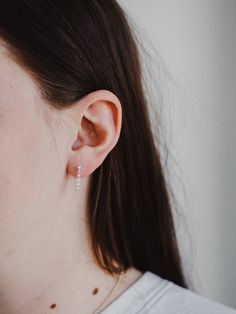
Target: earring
{"points": [[77, 178]]}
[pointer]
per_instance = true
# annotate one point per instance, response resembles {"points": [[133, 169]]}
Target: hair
{"points": [[74, 47]]}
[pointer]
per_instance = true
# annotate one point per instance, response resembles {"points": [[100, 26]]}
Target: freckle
{"points": [[95, 290], [53, 306], [9, 253]]}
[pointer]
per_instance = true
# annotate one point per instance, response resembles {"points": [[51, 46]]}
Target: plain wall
{"points": [[197, 42]]}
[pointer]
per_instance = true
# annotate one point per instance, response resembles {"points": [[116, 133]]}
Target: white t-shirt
{"points": [[152, 294]]}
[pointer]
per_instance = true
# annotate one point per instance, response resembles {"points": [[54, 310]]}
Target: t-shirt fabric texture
{"points": [[152, 294]]}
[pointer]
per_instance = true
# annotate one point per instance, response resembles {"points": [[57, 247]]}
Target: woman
{"points": [[86, 221]]}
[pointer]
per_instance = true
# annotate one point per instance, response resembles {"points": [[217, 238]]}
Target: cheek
{"points": [[24, 151], [27, 167]]}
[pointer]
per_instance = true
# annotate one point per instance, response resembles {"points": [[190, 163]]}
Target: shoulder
{"points": [[169, 298], [152, 294]]}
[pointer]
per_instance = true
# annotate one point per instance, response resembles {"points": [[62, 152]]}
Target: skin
{"points": [[45, 256]]}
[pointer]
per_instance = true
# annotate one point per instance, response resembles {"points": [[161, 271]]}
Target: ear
{"points": [[97, 119]]}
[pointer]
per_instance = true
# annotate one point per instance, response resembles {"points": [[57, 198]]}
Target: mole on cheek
{"points": [[53, 306], [95, 290]]}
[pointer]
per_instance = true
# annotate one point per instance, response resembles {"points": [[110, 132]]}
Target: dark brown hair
{"points": [[74, 47]]}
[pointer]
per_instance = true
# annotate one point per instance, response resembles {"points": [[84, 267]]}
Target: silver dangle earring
{"points": [[77, 178]]}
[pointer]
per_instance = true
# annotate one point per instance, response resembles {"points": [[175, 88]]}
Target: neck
{"points": [[47, 265]]}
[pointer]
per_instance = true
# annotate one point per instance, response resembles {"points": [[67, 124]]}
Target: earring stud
{"points": [[77, 178]]}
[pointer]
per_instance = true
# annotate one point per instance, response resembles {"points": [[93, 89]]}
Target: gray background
{"points": [[197, 42]]}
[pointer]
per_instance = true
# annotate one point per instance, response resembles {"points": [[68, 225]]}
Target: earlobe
{"points": [[99, 131]]}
